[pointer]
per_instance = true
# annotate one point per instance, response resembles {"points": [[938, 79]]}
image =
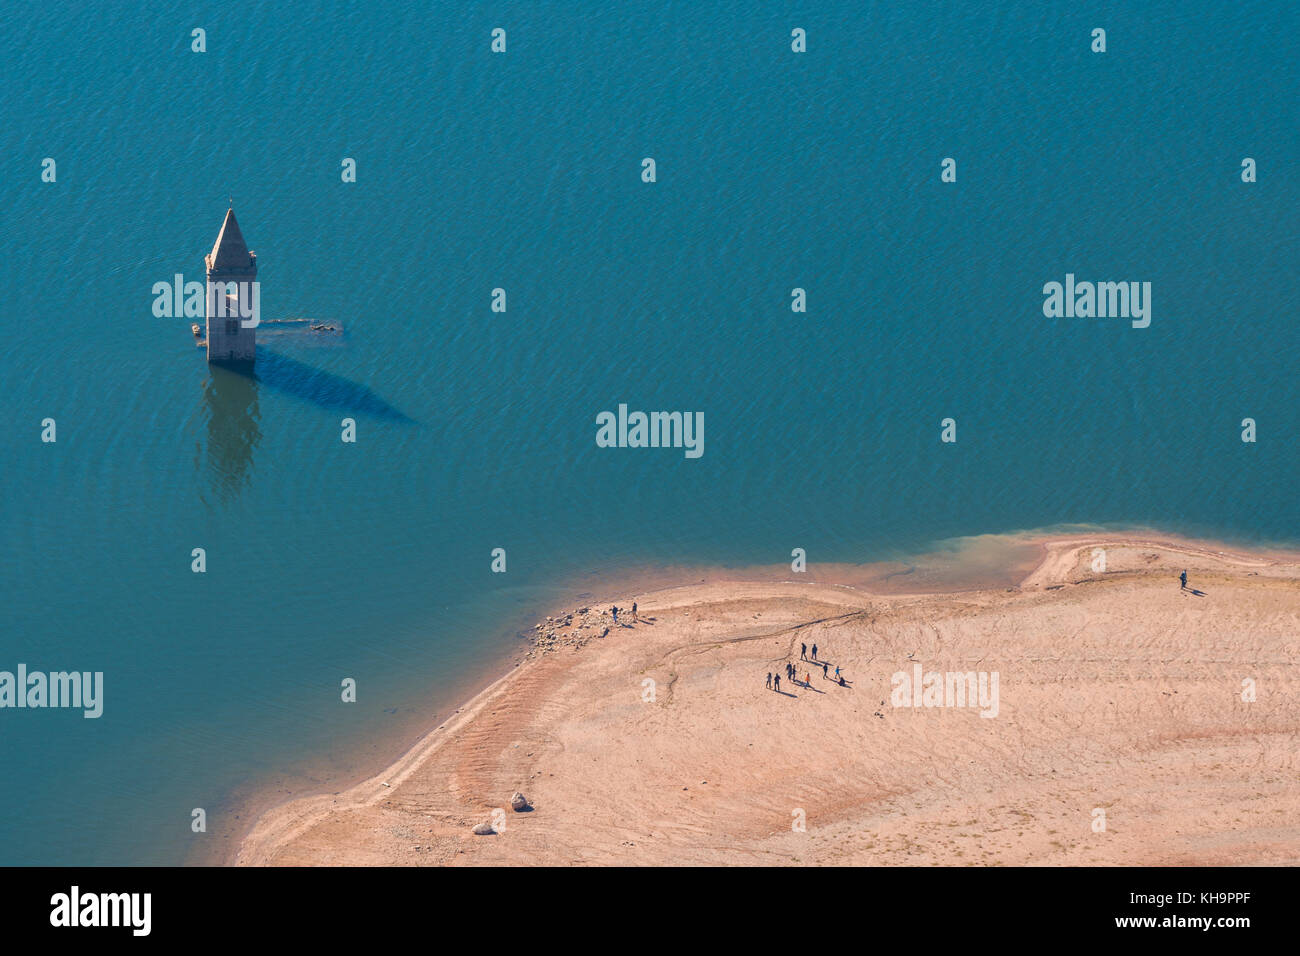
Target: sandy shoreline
{"points": [[989, 560], [1120, 697]]}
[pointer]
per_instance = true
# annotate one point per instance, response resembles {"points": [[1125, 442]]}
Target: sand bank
{"points": [[1120, 703]]}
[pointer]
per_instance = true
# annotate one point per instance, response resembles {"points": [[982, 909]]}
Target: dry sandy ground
{"points": [[1120, 697]]}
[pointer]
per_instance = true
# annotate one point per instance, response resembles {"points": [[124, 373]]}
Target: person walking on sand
{"points": [[825, 668], [1183, 580], [814, 652], [634, 612], [807, 679], [803, 652], [837, 673], [615, 610]]}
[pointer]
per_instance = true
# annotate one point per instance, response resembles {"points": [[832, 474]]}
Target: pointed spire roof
{"points": [[229, 251]]}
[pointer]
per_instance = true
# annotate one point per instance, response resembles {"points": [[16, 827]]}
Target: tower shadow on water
{"points": [[315, 386], [232, 399]]}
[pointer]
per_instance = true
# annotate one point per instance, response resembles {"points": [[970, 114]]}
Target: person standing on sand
{"points": [[803, 652], [769, 680], [807, 679], [825, 668], [634, 612], [1183, 580], [814, 652], [837, 673], [615, 610], [778, 682]]}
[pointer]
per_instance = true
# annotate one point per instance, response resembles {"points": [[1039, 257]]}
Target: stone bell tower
{"points": [[232, 279]]}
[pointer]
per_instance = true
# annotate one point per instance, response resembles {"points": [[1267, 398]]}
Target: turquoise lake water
{"points": [[476, 430]]}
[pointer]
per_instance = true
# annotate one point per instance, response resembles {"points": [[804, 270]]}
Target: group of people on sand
{"points": [[615, 609], [792, 672]]}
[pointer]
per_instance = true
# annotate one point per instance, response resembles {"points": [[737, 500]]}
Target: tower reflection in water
{"points": [[233, 432]]}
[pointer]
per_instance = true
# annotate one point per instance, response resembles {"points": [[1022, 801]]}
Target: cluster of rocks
{"points": [[571, 630], [518, 803]]}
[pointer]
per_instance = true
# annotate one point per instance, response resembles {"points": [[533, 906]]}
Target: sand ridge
{"points": [[658, 743]]}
